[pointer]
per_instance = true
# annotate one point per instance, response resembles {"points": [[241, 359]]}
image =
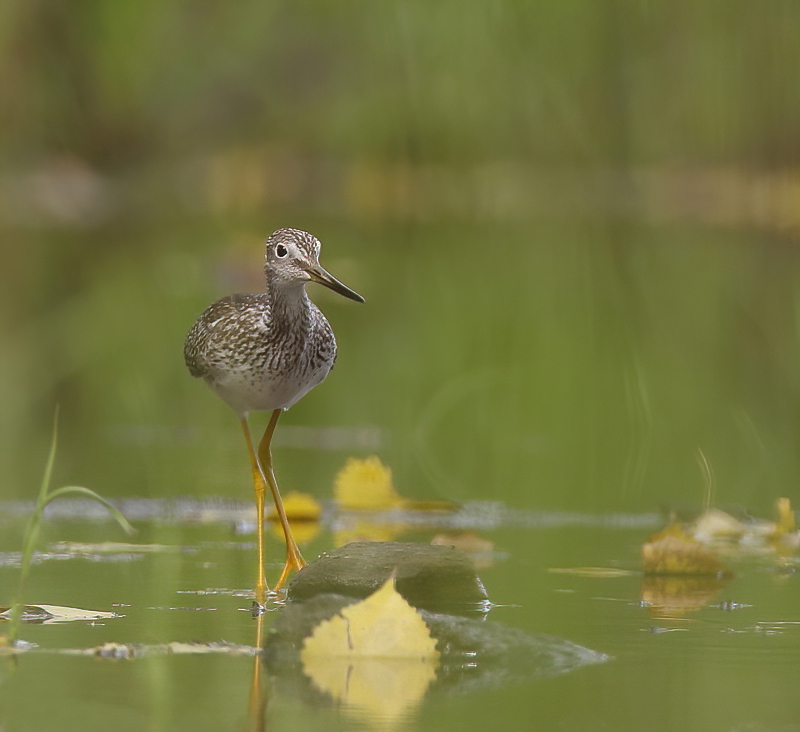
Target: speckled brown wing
{"points": [[217, 337]]}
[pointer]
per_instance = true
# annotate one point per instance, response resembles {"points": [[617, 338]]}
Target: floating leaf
{"points": [[383, 625], [714, 524], [366, 485], [116, 651], [126, 651], [27, 614], [111, 547], [673, 551], [759, 536], [228, 649], [600, 572], [376, 657], [58, 614]]}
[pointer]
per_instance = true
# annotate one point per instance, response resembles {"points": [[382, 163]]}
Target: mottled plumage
{"points": [[264, 352]]}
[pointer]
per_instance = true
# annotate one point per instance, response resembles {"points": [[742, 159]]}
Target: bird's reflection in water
{"points": [[257, 710]]}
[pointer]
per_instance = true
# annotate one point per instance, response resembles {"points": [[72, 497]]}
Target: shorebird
{"points": [[263, 352]]}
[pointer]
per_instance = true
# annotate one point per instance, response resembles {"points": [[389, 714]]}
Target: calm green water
{"points": [[564, 368], [576, 230], [728, 663]]}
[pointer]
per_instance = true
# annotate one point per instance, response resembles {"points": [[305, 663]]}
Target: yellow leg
{"points": [[260, 487], [294, 560]]}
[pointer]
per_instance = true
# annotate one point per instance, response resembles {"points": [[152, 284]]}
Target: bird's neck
{"points": [[289, 303]]}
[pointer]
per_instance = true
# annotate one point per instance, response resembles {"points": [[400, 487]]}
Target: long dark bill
{"points": [[322, 277]]}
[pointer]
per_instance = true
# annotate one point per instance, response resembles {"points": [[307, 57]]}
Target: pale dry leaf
{"points": [[60, 614]]}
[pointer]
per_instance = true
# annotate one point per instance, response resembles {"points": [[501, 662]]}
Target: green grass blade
{"points": [[51, 459], [32, 529], [89, 493]]}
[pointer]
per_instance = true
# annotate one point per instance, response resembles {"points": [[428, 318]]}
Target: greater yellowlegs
{"points": [[263, 352]]}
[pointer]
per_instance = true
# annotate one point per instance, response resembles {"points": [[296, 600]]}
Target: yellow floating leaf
{"points": [[365, 485], [377, 657], [383, 625], [672, 551]]}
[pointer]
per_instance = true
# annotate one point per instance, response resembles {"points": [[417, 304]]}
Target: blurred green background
{"points": [[575, 225]]}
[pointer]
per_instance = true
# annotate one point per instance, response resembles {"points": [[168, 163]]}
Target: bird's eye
{"points": [[281, 251]]}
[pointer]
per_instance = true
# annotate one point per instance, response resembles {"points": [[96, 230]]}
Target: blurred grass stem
{"points": [[31, 534]]}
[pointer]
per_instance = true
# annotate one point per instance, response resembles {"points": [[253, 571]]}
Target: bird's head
{"points": [[293, 259]]}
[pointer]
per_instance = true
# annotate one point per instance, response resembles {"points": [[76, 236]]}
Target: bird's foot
{"points": [[294, 561], [262, 591]]}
